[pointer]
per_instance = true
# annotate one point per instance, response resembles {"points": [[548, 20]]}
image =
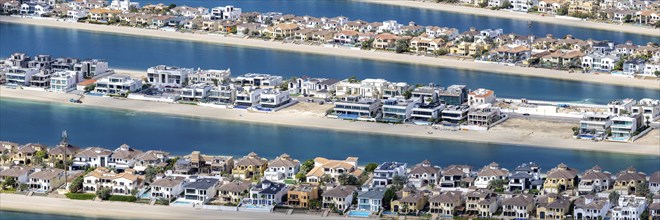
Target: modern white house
{"points": [[649, 108], [398, 110], [426, 113], [525, 176], [64, 81], [123, 5], [258, 80], [195, 92], [124, 157], [222, 94], [117, 85], [167, 76], [167, 187], [46, 180], [385, 173], [273, 99], [91, 68], [624, 126], [371, 199], [353, 107], [228, 12], [317, 87], [247, 97], [281, 168], [629, 207], [594, 125], [200, 190], [17, 76], [266, 193]]}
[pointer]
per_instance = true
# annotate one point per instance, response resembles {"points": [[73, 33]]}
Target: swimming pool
{"points": [[356, 213], [181, 203]]}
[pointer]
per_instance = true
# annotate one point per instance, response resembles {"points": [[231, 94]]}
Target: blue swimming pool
{"points": [[356, 213], [181, 203]]}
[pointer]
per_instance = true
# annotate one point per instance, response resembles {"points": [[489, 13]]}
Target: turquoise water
{"points": [[355, 213], [374, 12], [25, 122], [140, 53], [8, 215]]}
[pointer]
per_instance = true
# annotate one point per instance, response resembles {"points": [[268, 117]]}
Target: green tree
{"points": [[657, 73], [642, 189], [401, 45], [76, 184], [103, 193], [506, 5], [246, 31], [398, 182], [39, 157], [314, 204], [497, 185], [576, 130], [614, 196], [562, 11], [619, 64], [171, 6], [367, 45], [9, 183], [407, 94], [170, 163], [345, 179], [150, 174], [370, 167], [326, 178], [388, 196], [301, 177]]}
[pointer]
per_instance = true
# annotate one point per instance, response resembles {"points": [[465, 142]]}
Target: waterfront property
{"points": [[200, 190], [250, 166], [167, 76], [370, 199], [424, 174], [232, 192], [355, 108], [281, 168], [339, 197], [119, 183], [332, 168], [167, 187], [266, 193], [385, 173], [117, 85], [46, 180], [300, 196]]}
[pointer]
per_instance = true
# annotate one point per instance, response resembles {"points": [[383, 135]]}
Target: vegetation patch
{"points": [[80, 196]]}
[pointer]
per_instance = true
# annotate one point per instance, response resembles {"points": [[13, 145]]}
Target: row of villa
{"points": [[488, 45], [252, 182], [623, 120]]}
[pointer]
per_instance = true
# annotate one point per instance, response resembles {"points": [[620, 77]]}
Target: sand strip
{"points": [[626, 28], [521, 137], [125, 210], [360, 54]]}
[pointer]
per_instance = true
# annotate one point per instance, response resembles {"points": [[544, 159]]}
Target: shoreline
{"points": [[302, 120], [126, 210], [641, 30], [349, 53]]}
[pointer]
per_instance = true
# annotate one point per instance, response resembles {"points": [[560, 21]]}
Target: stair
{"points": [[152, 202], [289, 212]]}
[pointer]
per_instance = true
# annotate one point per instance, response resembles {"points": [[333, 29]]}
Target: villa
{"points": [[454, 175], [453, 95], [92, 157], [483, 203], [64, 81], [445, 203], [552, 207], [629, 207], [339, 197], [489, 173], [25, 154], [153, 158], [424, 174], [334, 168], [222, 94], [300, 196], [272, 99], [426, 113], [483, 116], [195, 92], [211, 77], [46, 180], [626, 181], [371, 199], [526, 176], [623, 127], [455, 114], [19, 76], [18, 173], [167, 76], [317, 87], [167, 187], [123, 157], [353, 107], [258, 80], [591, 207], [117, 85], [247, 97], [233, 192], [385, 173], [397, 110], [40, 80], [594, 126], [654, 182], [200, 190], [91, 68], [281, 168], [250, 166], [120, 183], [595, 180], [519, 207], [266, 193], [560, 178], [409, 201], [481, 96]]}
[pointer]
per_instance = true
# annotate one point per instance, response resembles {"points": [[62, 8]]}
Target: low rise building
{"points": [[397, 110], [591, 207], [483, 203], [489, 173], [211, 77], [247, 97], [453, 175], [167, 76], [409, 201], [333, 168], [64, 81], [200, 190], [19, 174], [626, 181], [595, 180], [258, 80], [424, 174], [550, 206], [266, 193], [353, 107], [300, 196], [594, 126], [371, 199], [272, 99], [281, 168], [91, 157], [339, 197], [526, 176], [445, 204], [455, 114], [560, 178], [119, 183], [117, 85], [629, 207], [233, 192], [250, 166], [484, 116], [19, 76], [168, 187], [195, 92], [385, 173], [46, 180], [518, 207]]}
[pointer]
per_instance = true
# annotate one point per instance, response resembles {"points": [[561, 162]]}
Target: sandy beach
{"points": [[344, 52], [125, 210], [528, 134], [626, 28]]}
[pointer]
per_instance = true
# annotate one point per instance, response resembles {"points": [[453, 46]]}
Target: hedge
{"points": [[123, 198], [80, 196]]}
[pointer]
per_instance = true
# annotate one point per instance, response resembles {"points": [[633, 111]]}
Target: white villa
{"points": [[120, 183], [46, 180], [273, 99], [167, 76], [117, 85], [353, 107], [64, 81], [167, 187], [281, 168], [211, 77], [334, 168], [258, 80]]}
